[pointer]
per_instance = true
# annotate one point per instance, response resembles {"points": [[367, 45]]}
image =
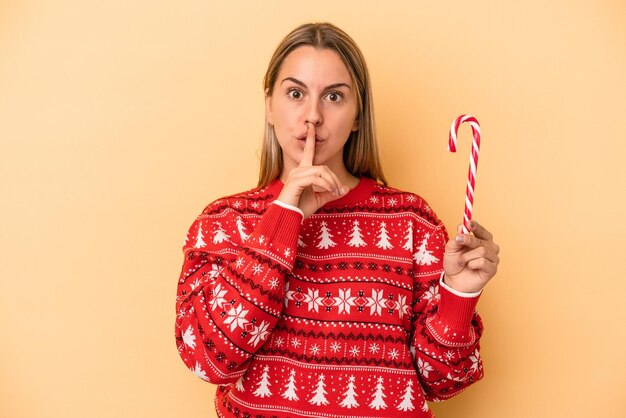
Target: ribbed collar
{"points": [[361, 192]]}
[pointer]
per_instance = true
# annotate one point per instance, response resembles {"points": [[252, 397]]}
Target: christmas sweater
{"points": [[342, 314]]}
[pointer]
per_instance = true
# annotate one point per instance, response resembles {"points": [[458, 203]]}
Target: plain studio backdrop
{"points": [[120, 121]]}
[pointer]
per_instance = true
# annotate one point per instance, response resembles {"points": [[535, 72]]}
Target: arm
{"points": [[446, 328], [230, 295]]}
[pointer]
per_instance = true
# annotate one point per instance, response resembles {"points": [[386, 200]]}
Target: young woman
{"points": [[323, 292]]}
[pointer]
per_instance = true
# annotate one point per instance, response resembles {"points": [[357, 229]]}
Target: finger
{"points": [[305, 176], [312, 176], [334, 178], [326, 173], [309, 147], [480, 231], [480, 252], [472, 241], [483, 265]]}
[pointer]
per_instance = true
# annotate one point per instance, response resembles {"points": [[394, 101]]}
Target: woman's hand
{"points": [[310, 187], [470, 260]]}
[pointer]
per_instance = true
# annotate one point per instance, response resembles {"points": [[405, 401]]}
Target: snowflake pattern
{"points": [[257, 269], [273, 283], [236, 317], [335, 347], [376, 303], [432, 293], [259, 333], [424, 367], [374, 348], [218, 297], [355, 351], [315, 349]]}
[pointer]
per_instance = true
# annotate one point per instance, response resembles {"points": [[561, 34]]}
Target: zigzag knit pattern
{"points": [[338, 315]]}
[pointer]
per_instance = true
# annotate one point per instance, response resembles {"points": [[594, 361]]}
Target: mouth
{"points": [[303, 138]]}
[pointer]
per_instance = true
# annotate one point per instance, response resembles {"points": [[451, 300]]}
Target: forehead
{"points": [[314, 65]]}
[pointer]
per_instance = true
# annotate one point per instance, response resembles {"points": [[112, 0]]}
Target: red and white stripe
{"points": [[471, 176]]}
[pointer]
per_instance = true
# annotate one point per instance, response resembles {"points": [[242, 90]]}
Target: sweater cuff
{"points": [[276, 235], [288, 206], [452, 324]]}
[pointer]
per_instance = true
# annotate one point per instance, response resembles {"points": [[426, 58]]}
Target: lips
{"points": [[303, 138]]}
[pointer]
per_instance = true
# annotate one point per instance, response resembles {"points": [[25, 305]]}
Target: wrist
{"points": [[460, 289]]}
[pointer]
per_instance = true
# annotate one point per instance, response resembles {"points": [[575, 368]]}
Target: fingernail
{"points": [[472, 224], [459, 239], [344, 189]]}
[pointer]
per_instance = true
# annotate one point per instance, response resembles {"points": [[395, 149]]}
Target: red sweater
{"points": [[342, 314]]}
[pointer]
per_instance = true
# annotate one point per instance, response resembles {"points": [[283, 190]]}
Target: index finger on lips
{"points": [[309, 147]]}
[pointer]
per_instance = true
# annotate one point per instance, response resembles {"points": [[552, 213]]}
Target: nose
{"points": [[314, 114]]}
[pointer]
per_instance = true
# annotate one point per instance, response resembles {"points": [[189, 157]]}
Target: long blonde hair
{"points": [[360, 154]]}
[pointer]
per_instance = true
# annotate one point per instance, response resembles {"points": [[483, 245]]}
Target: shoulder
{"points": [[391, 199], [252, 201]]}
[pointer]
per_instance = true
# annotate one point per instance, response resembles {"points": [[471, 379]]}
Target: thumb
{"points": [[452, 244]]}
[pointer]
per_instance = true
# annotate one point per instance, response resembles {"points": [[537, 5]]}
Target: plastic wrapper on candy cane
{"points": [[471, 176]]}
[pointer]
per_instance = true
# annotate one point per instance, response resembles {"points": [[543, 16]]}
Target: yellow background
{"points": [[120, 120]]}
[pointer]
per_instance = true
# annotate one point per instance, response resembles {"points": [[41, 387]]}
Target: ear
{"points": [[269, 118]]}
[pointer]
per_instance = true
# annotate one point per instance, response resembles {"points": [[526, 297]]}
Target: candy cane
{"points": [[471, 176]]}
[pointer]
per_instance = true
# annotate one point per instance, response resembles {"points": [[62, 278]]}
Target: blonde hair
{"points": [[360, 154]]}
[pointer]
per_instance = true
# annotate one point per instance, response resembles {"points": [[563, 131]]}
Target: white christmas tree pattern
{"points": [[378, 402], [325, 237], [383, 238], [199, 372], [349, 401], [290, 387], [200, 237], [263, 389], [319, 397], [219, 234], [423, 256], [300, 242], [357, 237], [242, 229], [239, 384], [406, 404], [189, 339], [408, 245]]}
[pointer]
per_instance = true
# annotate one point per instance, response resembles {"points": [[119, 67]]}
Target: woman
{"points": [[323, 292]]}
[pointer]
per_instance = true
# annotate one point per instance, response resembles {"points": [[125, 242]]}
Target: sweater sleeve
{"points": [[230, 292], [446, 327]]}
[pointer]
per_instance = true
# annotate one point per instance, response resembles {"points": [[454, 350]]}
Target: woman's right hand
{"points": [[309, 187]]}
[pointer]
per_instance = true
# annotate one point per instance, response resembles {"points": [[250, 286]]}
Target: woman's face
{"points": [[313, 85]]}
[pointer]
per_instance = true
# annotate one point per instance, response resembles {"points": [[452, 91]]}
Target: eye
{"points": [[294, 94], [334, 96]]}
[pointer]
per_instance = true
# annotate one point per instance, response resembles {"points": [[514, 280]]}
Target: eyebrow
{"points": [[300, 83]]}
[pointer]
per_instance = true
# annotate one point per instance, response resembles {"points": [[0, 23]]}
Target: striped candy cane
{"points": [[471, 176]]}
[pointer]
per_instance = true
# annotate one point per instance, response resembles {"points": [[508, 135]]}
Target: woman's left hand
{"points": [[470, 260]]}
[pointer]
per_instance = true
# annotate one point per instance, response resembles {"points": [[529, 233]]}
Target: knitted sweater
{"points": [[342, 314]]}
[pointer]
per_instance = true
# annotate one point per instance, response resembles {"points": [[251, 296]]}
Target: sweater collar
{"points": [[360, 192]]}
